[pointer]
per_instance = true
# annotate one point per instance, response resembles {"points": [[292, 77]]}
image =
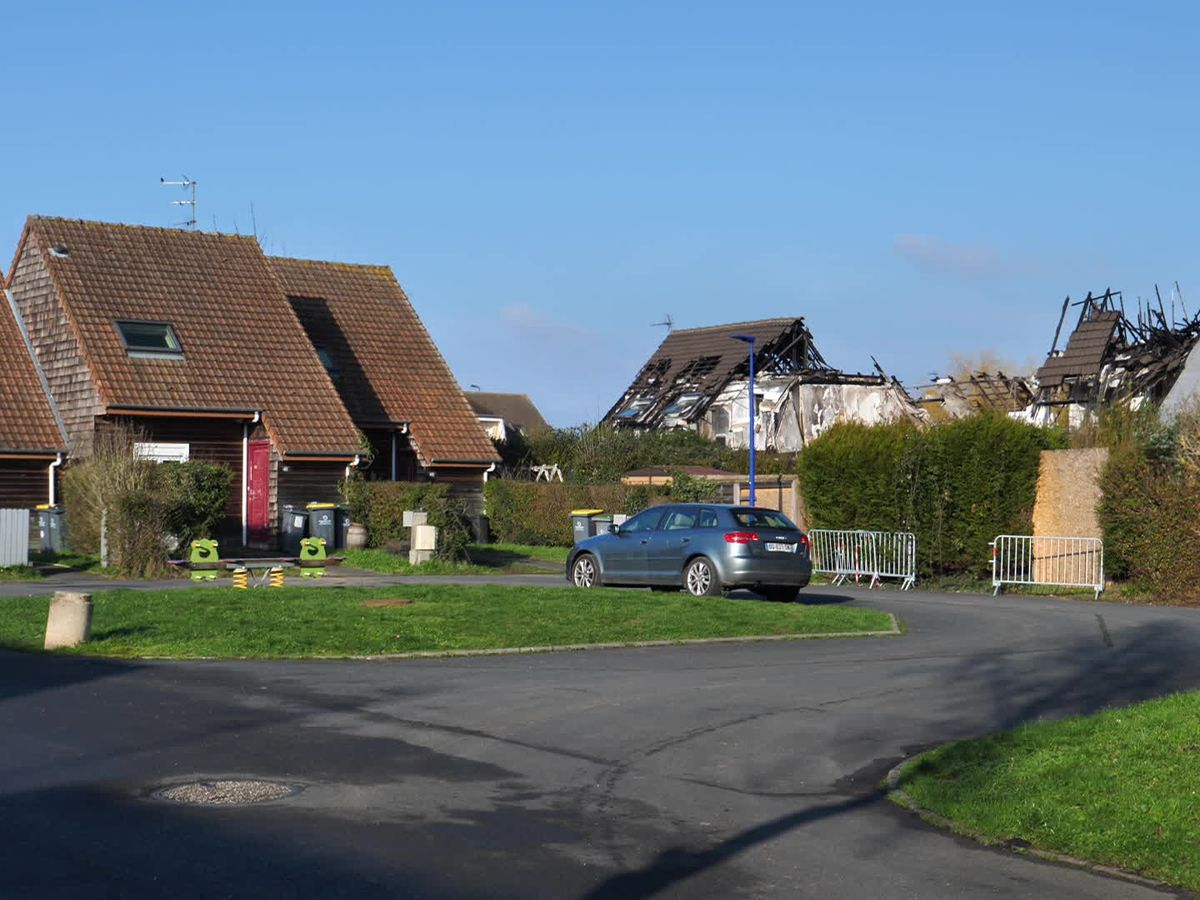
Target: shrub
{"points": [[128, 495], [1150, 511], [147, 508], [380, 506], [689, 489], [198, 496], [525, 512], [955, 487]]}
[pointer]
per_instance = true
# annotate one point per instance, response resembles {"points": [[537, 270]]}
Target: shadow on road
{"points": [[676, 864], [994, 691]]}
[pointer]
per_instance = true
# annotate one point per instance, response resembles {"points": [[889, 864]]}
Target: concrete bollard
{"points": [[70, 620]]}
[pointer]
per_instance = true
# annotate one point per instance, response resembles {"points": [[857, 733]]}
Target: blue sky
{"points": [[547, 180]]}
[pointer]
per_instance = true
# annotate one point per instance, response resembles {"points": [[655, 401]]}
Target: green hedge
{"points": [[1150, 509], [527, 512], [380, 505], [955, 486]]}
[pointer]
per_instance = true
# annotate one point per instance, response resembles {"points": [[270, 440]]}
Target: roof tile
{"points": [[27, 423], [243, 347], [390, 369]]}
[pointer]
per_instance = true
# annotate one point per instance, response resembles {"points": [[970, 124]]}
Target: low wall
{"points": [[1068, 500]]}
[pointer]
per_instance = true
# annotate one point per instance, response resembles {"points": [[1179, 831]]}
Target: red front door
{"points": [[258, 489]]}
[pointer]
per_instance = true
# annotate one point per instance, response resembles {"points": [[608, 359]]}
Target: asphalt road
{"points": [[715, 771]]}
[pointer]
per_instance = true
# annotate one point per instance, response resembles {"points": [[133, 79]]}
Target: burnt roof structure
{"points": [[1110, 357], [692, 365], [956, 397]]}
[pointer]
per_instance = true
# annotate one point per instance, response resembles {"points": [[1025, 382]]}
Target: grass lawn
{"points": [[485, 559], [520, 551], [313, 621], [1120, 788], [18, 573]]}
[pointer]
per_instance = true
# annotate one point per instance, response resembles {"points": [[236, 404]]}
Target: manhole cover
{"points": [[226, 792]]}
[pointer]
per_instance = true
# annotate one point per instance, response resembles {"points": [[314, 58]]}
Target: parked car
{"points": [[704, 548]]}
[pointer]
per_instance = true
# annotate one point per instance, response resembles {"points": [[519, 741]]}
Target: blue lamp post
{"points": [[749, 340]]}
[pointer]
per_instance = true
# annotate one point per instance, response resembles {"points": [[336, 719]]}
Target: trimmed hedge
{"points": [[955, 487], [1150, 510], [529, 512], [380, 505]]}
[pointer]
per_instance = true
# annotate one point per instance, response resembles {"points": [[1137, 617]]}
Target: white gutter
{"points": [[487, 471], [58, 461], [246, 474], [353, 465]]}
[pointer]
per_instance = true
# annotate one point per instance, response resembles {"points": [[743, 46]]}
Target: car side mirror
{"points": [[614, 529]]}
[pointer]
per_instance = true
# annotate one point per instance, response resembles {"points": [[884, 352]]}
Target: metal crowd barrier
{"points": [[865, 554], [1059, 561]]}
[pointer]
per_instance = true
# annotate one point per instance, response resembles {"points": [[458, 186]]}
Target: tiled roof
{"points": [[389, 369], [243, 348], [1085, 353], [27, 423], [516, 410]]}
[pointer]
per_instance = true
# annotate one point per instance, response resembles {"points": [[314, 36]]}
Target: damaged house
{"points": [[1110, 358], [950, 397], [698, 378]]}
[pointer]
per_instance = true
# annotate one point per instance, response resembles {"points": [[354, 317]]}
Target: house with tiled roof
{"points": [[32, 442], [188, 337], [395, 383], [502, 414]]}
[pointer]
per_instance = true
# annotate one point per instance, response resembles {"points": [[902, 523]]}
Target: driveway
{"points": [[716, 771]]}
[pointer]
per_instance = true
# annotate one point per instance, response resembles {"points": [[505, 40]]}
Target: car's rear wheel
{"points": [[584, 571], [780, 593], [700, 578]]}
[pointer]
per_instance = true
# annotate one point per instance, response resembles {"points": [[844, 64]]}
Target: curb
{"points": [[902, 798]]}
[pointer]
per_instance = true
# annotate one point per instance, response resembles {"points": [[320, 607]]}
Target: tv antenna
{"points": [[185, 184], [667, 321]]}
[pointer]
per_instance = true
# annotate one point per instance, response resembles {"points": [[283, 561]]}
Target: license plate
{"points": [[781, 548]]}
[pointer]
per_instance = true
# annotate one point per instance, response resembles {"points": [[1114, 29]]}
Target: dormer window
{"points": [[326, 359], [149, 338]]}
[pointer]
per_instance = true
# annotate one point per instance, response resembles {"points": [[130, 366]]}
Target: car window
{"points": [[708, 518], [762, 518], [646, 520], [680, 519]]}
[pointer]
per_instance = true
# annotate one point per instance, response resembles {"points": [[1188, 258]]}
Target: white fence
{"points": [[1076, 562], [14, 537], [865, 554]]}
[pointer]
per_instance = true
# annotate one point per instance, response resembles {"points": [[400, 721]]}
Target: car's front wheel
{"points": [[700, 578], [584, 572]]}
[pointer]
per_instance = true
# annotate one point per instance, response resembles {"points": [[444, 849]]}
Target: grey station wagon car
{"points": [[704, 548]]}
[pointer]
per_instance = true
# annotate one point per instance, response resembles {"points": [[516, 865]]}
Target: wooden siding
{"points": [[56, 348], [303, 482], [209, 440], [24, 483]]}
